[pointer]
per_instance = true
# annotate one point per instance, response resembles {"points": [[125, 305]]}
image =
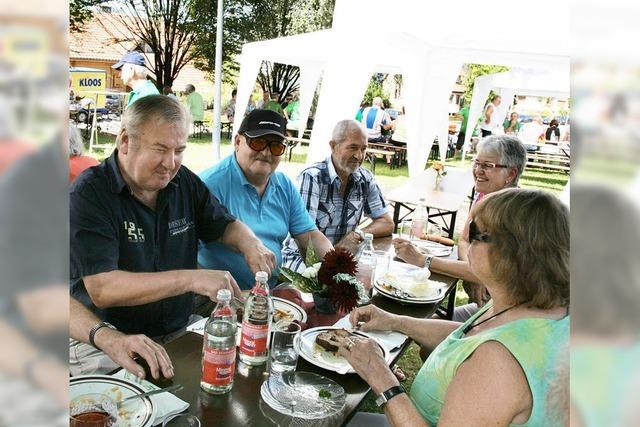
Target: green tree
{"points": [[81, 11], [375, 88], [472, 71]]}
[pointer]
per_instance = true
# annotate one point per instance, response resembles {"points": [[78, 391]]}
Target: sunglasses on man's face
{"points": [[276, 146], [475, 234]]}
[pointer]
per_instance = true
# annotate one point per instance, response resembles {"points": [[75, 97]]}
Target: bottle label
{"points": [[219, 366], [254, 339]]}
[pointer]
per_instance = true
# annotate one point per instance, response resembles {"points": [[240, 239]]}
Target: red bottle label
{"points": [[219, 366], [254, 339]]}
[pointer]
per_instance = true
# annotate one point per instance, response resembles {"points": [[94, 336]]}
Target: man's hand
{"points": [[122, 349], [350, 242], [209, 282], [260, 259]]}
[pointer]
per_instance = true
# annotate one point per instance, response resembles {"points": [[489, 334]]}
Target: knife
{"points": [[174, 387]]}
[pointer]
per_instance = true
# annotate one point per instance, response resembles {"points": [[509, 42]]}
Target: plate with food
{"points": [[319, 346], [282, 310], [412, 287], [133, 413], [433, 247]]}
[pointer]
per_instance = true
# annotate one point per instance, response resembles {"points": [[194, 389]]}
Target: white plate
{"points": [[135, 413], [412, 300], [316, 355], [433, 248], [298, 313]]}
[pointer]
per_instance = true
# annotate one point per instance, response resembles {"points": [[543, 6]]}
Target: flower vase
{"points": [[438, 182], [323, 305]]}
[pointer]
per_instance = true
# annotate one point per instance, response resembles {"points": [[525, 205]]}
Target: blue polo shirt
{"points": [[280, 211]]}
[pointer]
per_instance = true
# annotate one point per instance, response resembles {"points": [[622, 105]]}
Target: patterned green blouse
{"points": [[535, 343]]}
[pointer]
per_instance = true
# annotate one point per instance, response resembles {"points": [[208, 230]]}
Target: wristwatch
{"points": [[389, 394], [96, 328], [427, 261]]}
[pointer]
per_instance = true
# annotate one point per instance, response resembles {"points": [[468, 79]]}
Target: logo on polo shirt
{"points": [[179, 226], [134, 233]]}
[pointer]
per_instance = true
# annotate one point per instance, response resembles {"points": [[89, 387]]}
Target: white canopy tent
{"points": [[532, 82], [427, 45]]}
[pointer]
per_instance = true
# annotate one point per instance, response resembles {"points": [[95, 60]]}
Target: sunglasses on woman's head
{"points": [[276, 146], [475, 234]]}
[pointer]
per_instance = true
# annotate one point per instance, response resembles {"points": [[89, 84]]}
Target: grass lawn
{"points": [[199, 156]]}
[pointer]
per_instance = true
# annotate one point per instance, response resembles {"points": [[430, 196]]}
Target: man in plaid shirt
{"points": [[338, 191]]}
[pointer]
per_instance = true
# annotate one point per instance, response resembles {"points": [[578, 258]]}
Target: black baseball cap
{"points": [[263, 122], [134, 57]]}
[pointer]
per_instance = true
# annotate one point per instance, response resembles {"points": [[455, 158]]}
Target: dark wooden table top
{"points": [[243, 406]]}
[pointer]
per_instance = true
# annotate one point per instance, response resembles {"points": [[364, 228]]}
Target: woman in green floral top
{"points": [[496, 368]]}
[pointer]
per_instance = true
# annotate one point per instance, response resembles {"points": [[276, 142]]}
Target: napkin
{"points": [[390, 339], [198, 327], [167, 404]]}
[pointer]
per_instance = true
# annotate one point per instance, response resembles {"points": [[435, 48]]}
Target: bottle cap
{"points": [[224, 295], [262, 276]]}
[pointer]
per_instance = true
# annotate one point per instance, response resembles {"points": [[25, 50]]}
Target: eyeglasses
{"points": [[486, 165], [259, 143], [475, 234]]}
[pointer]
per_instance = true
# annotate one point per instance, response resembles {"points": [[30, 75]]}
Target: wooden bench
{"points": [[549, 161], [391, 157]]}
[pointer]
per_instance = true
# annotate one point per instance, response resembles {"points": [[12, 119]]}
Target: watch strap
{"points": [[389, 394], [96, 328], [427, 262]]}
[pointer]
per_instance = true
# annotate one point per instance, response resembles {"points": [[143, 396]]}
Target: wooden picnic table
{"points": [[454, 189], [243, 406]]}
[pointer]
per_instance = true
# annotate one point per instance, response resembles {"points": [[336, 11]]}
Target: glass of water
{"points": [[283, 355]]}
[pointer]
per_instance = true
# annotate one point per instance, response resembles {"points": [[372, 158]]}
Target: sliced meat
{"points": [[331, 340]]}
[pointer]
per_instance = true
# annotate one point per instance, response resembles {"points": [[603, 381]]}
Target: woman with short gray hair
{"points": [[499, 163]]}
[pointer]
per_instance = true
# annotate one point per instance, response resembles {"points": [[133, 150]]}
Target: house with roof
{"points": [[99, 48]]}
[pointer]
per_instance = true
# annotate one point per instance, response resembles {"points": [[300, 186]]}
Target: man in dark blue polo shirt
{"points": [[135, 222]]}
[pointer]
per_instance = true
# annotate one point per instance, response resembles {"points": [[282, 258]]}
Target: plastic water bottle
{"points": [[258, 312], [219, 347], [367, 263], [420, 220]]}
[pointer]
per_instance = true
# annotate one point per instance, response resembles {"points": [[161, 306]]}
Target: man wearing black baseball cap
{"points": [[247, 183], [133, 73]]}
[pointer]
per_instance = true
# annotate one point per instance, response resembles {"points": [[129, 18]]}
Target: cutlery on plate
{"points": [[174, 387]]}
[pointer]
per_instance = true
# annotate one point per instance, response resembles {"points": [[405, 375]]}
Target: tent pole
{"points": [[215, 133]]}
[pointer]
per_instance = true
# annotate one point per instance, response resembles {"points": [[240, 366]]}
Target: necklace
{"points": [[472, 325]]}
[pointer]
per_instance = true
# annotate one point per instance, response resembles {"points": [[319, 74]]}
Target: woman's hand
{"points": [[374, 319], [408, 252], [367, 359]]}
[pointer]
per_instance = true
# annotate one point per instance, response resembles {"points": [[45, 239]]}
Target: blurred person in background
{"points": [[133, 73], [292, 111], [169, 92], [464, 112], [511, 125], [194, 103], [488, 123], [375, 119], [532, 133], [77, 161], [274, 103], [499, 163], [262, 104], [553, 131], [605, 349], [230, 109], [496, 368]]}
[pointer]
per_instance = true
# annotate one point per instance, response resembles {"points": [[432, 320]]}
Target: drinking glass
{"points": [[405, 229], [93, 410], [382, 262], [434, 229], [283, 356]]}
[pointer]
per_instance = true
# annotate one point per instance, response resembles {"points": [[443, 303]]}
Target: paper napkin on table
{"points": [[167, 404], [198, 327], [390, 339]]}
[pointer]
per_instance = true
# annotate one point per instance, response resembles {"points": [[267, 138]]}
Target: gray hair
{"points": [[153, 107], [377, 101], [76, 147], [508, 149], [343, 128], [190, 88], [139, 71]]}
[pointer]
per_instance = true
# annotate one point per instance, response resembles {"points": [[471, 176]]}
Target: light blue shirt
{"points": [[280, 211]]}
